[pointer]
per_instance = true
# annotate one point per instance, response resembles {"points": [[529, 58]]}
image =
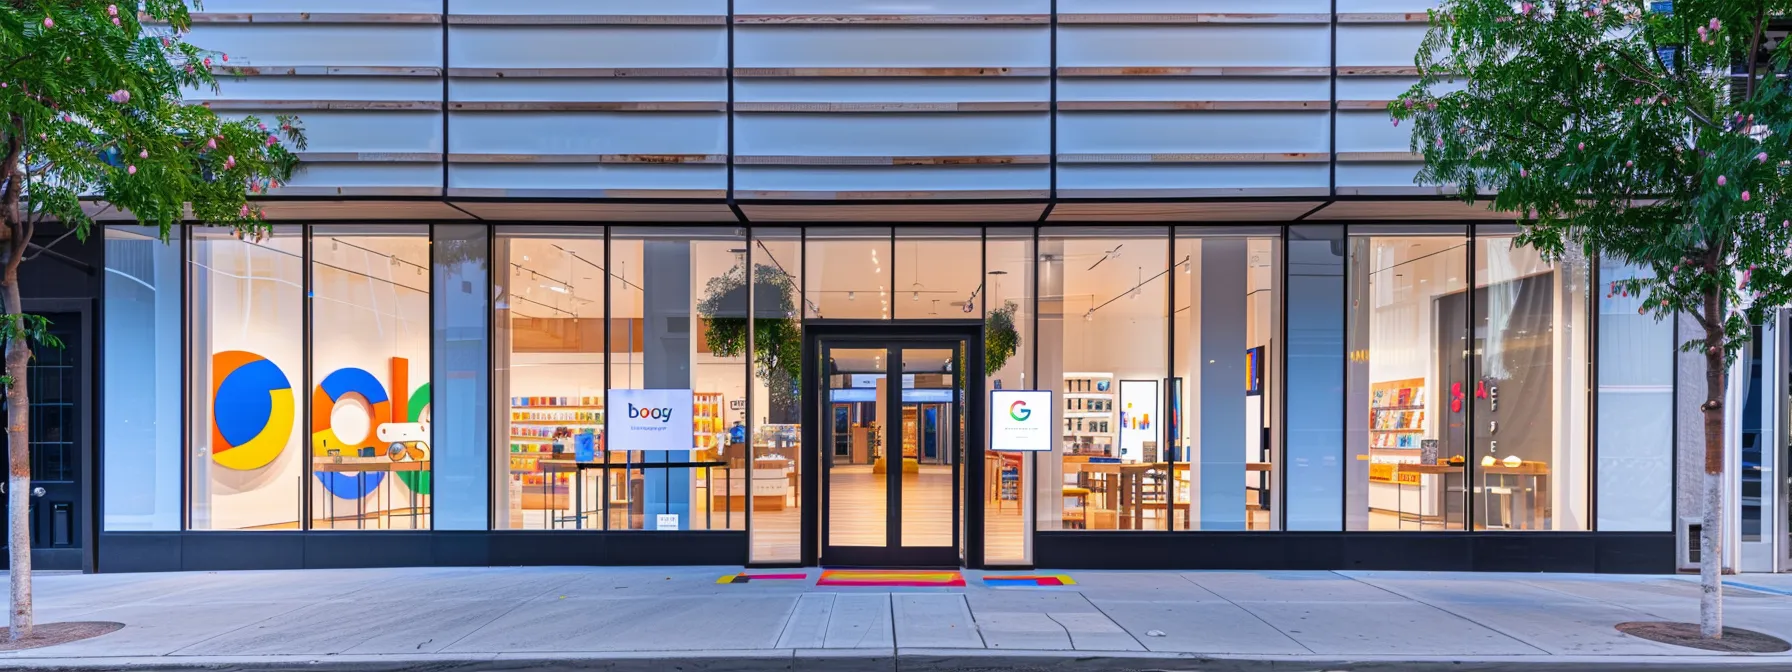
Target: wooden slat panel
{"points": [[1187, 19], [587, 158], [918, 212], [601, 212], [588, 106], [356, 191], [893, 72], [326, 71], [421, 105], [1378, 71], [1363, 104], [824, 108], [587, 20], [361, 210], [890, 19], [1207, 192], [1264, 211], [1397, 190], [1441, 208], [1383, 17], [585, 73], [1193, 71], [1191, 105], [1379, 157], [968, 194], [370, 157], [985, 160], [489, 192], [1229, 157], [314, 17]]}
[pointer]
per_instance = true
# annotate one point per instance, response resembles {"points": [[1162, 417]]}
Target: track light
{"points": [[852, 296]]}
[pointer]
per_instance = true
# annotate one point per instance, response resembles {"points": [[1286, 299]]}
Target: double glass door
{"points": [[892, 452]]}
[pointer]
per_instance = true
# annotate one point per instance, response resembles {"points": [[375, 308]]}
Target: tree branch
{"points": [[1754, 48]]}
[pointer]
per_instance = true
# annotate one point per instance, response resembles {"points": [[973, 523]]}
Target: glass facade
{"points": [[1206, 378]]}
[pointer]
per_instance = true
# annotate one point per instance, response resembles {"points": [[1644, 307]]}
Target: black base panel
{"points": [[1609, 552], [206, 551]]}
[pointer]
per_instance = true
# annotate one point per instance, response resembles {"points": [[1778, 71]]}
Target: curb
{"points": [[886, 660]]}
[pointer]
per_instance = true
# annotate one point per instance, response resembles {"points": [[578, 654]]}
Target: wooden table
{"points": [[360, 467]]}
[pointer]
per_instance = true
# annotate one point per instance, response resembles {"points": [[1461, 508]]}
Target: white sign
{"points": [[1020, 420], [1138, 418], [650, 420], [665, 521]]}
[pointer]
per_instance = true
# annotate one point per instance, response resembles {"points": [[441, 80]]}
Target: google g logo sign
{"points": [[1019, 411], [252, 410]]}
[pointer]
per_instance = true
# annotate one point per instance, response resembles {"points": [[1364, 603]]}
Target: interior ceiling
{"points": [[855, 275]]}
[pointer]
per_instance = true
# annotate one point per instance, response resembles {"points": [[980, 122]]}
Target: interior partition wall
{"points": [[1228, 395]]}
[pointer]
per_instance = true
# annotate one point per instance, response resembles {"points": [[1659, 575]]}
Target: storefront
{"points": [[1415, 396]]}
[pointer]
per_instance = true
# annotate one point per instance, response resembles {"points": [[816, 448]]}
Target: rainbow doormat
{"points": [[1028, 581], [749, 578], [891, 579]]}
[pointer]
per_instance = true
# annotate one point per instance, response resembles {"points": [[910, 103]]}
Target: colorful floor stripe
{"points": [[891, 579], [749, 578], [1028, 581]]}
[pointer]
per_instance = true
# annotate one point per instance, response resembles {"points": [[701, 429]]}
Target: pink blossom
{"points": [[211, 143], [262, 127], [1525, 8], [1629, 164], [112, 10], [1396, 122], [1716, 25], [226, 57], [229, 162], [143, 154], [1745, 195], [120, 96], [243, 212], [1762, 157], [275, 141], [49, 22], [115, 22], [1721, 180], [1409, 104], [1581, 146], [1523, 173], [207, 61], [130, 169], [1440, 143]]}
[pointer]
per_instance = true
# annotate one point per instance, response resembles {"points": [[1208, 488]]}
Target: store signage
{"points": [[651, 420], [665, 521], [1020, 420]]}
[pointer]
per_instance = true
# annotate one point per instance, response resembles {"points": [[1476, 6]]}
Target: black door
{"points": [[893, 413], [53, 382]]}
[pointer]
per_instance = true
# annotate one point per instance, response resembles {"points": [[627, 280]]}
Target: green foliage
{"points": [[777, 341], [93, 108], [1000, 339], [1565, 114], [31, 329]]}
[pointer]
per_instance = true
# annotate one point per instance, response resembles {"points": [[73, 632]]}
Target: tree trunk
{"points": [[18, 481], [1711, 598]]}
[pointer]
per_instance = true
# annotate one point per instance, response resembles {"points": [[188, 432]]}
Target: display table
{"points": [[361, 467], [770, 490]]}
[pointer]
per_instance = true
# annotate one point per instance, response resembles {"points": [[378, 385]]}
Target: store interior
{"points": [[1465, 395]]}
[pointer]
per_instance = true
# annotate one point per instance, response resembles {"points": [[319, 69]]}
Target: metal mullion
{"points": [[752, 353], [305, 332], [1471, 370], [186, 384], [609, 353]]}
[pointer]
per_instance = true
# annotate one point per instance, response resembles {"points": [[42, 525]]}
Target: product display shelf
{"points": [[1397, 419], [707, 415], [1089, 413], [542, 428]]}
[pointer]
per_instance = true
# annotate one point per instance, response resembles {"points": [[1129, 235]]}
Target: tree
{"points": [[92, 118], [1654, 138]]}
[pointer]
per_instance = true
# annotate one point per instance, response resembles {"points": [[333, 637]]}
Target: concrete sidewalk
{"points": [[680, 618]]}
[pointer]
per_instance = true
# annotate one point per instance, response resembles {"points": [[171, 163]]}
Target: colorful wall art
{"points": [[252, 410]]}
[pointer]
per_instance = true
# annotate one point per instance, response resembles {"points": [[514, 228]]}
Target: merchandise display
{"points": [[1088, 413]]}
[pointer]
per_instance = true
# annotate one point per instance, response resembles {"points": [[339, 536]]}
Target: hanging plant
{"points": [[1000, 340], [777, 332]]}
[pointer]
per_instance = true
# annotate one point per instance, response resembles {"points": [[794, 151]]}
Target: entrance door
{"points": [[892, 417]]}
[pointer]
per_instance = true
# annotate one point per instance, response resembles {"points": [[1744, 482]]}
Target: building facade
{"points": [[825, 239]]}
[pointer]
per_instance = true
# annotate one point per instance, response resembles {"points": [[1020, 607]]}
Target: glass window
{"points": [[370, 399], [1008, 354], [1315, 378], [678, 297], [848, 273], [462, 296], [1409, 383], [1104, 298], [775, 424], [1221, 404], [143, 379], [1636, 410], [1530, 365], [547, 384], [937, 273], [246, 349]]}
